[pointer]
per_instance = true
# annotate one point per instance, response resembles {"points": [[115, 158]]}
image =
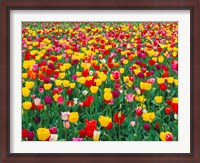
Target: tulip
{"points": [[65, 115], [24, 133], [138, 111], [129, 98], [116, 75], [147, 127], [60, 100], [115, 93], [96, 135], [37, 101], [36, 119], [77, 139], [53, 130], [31, 135], [69, 91], [132, 123], [66, 124], [48, 100], [53, 137], [175, 116], [167, 110]]}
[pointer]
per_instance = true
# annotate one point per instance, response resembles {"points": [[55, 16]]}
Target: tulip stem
{"points": [[73, 128], [26, 114], [119, 131], [132, 133], [66, 134]]}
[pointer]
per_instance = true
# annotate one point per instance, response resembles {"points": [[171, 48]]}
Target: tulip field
{"points": [[99, 81]]}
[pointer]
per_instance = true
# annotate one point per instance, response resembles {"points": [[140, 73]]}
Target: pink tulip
{"points": [[116, 75], [66, 124], [151, 80], [37, 101], [60, 100], [77, 139], [65, 116], [132, 123], [41, 90], [129, 97]]}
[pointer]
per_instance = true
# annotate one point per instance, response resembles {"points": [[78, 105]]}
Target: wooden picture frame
{"points": [[8, 5]]}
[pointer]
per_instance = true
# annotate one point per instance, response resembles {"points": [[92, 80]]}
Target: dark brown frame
{"points": [[7, 5]]}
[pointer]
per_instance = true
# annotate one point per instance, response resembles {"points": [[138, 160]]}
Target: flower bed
{"points": [[92, 81]]}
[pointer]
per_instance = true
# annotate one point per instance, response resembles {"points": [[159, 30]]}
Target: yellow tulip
{"points": [[73, 117], [158, 99], [170, 80], [27, 105], [94, 89], [25, 92], [61, 75], [160, 80], [47, 86], [98, 82], [96, 135], [72, 85], [149, 117], [58, 82], [107, 96], [66, 83], [104, 121], [81, 80], [43, 134]]}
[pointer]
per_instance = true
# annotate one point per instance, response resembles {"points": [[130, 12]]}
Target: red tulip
{"points": [[169, 102], [174, 107], [85, 73], [157, 126], [119, 118], [138, 111], [163, 87], [89, 83], [82, 133], [168, 110], [69, 91], [24, 133], [169, 137], [116, 75], [53, 130], [33, 106], [110, 125], [40, 107], [69, 103]]}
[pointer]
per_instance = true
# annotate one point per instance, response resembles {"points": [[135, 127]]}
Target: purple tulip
{"points": [[48, 100], [134, 87], [36, 119], [140, 75], [142, 55], [137, 62], [75, 61], [152, 72], [115, 93], [46, 80], [158, 66], [30, 135], [51, 66], [147, 127]]}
